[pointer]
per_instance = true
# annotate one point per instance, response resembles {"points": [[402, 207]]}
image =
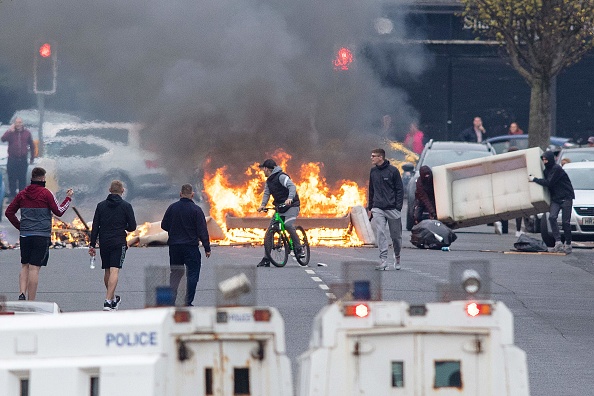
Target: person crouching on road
{"points": [[424, 195], [283, 190], [185, 223], [36, 204], [562, 196], [386, 196], [113, 217]]}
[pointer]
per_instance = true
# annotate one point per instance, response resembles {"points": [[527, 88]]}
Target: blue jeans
{"points": [[565, 207], [188, 255]]}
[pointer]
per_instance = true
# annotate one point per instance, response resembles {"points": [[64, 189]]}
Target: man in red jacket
{"points": [[20, 143], [36, 204]]}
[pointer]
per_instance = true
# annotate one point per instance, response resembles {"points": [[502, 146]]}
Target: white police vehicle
{"points": [[149, 352], [395, 348]]}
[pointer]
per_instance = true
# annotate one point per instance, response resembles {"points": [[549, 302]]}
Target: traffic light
{"points": [[343, 59], [44, 69]]}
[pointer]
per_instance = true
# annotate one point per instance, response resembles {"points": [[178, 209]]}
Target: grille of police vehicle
{"points": [[581, 175], [88, 164], [438, 153]]}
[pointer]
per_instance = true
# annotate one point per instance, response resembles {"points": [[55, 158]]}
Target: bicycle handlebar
{"points": [[266, 209]]}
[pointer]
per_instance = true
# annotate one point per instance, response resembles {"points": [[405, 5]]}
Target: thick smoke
{"points": [[232, 80]]}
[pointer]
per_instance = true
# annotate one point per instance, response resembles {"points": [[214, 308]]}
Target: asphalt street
{"points": [[551, 296]]}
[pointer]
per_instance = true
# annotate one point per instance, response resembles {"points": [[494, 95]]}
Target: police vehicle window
{"points": [[447, 374], [208, 381], [397, 374], [117, 135], [242, 381], [24, 387], [82, 149], [94, 386]]}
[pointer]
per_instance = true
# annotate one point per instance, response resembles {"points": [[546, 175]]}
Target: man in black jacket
{"points": [[113, 217], [562, 196], [386, 195], [185, 223]]}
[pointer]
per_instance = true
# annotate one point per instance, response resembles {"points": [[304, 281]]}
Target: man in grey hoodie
{"points": [[284, 191]]}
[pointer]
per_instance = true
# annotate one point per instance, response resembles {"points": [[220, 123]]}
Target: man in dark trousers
{"points": [[185, 223], [562, 196], [386, 196], [284, 192], [36, 204], [113, 217], [19, 143]]}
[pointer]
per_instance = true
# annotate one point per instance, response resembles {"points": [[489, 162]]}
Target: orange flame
{"points": [[317, 200]]}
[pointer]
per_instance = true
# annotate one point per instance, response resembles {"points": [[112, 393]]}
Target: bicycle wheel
{"points": [[276, 247], [304, 259]]}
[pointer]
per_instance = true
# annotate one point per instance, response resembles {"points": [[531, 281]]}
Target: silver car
{"points": [[438, 153], [88, 165]]}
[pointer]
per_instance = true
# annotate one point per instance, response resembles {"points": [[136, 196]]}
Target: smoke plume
{"points": [[231, 80]]}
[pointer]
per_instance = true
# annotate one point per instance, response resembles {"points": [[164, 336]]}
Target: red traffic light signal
{"points": [[343, 59], [45, 50], [44, 69]]}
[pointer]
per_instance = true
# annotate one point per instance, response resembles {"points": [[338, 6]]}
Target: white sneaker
{"points": [[568, 249], [558, 248], [518, 233], [397, 262], [383, 265], [498, 227]]}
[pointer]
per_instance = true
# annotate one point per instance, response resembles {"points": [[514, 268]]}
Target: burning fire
{"points": [[317, 200], [73, 234]]}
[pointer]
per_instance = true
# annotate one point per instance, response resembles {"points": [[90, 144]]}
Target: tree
{"points": [[541, 38]]}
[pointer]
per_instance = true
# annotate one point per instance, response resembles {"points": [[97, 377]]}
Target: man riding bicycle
{"points": [[284, 192]]}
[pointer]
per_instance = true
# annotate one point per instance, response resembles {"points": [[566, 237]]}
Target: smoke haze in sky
{"points": [[229, 79]]}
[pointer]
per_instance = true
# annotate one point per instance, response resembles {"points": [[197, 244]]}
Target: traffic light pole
{"points": [[41, 108]]}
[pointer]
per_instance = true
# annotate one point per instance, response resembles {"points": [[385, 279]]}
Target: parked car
{"points": [[501, 144], [438, 153], [577, 154], [88, 164], [581, 175]]}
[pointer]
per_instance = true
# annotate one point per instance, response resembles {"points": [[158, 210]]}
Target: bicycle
{"points": [[278, 243]]}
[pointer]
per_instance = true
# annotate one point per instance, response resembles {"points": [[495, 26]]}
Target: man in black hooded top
{"points": [[562, 196], [113, 217]]}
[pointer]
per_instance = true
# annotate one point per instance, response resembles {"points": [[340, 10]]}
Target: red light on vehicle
{"points": [[45, 50], [475, 309], [262, 315], [359, 310], [343, 59]]}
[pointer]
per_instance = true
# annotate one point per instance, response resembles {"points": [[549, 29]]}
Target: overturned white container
{"points": [[489, 189]]}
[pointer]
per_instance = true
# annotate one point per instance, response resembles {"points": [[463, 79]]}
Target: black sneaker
{"points": [[117, 302], [301, 254], [109, 306], [264, 263], [22, 296]]}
